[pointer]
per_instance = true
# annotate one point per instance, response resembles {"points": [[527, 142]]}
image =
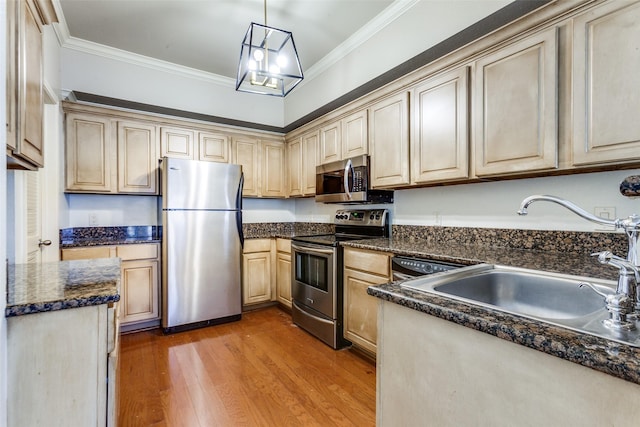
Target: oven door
{"points": [[314, 277]]}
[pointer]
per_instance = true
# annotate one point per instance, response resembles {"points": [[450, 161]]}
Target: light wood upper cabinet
{"points": [[344, 138], [137, 158], [263, 165], [302, 158], [214, 147], [355, 135], [389, 141], [90, 154], [309, 162], [176, 142], [331, 142], [294, 161], [440, 130], [516, 88], [245, 153], [606, 87], [273, 170], [25, 97]]}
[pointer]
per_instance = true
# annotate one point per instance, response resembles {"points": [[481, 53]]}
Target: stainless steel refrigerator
{"points": [[201, 243]]}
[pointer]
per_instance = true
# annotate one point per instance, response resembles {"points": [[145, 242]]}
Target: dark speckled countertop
{"points": [[610, 357], [36, 288]]}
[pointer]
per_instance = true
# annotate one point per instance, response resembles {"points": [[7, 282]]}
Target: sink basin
{"points": [[553, 298]]}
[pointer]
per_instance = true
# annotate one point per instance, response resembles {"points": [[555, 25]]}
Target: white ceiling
{"points": [[206, 34]]}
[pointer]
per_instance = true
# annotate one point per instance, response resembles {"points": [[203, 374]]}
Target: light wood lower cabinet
{"points": [[283, 271], [361, 270], [266, 272], [258, 273], [140, 280], [60, 365]]}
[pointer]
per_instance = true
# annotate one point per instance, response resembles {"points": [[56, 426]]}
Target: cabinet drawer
{"points": [[87, 253], [257, 245], [283, 245], [143, 251], [371, 262]]}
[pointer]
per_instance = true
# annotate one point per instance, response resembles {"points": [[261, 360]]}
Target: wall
{"points": [[423, 25], [100, 75], [3, 224]]}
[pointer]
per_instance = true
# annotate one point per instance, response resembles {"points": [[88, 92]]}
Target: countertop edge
{"points": [[609, 357], [43, 307]]}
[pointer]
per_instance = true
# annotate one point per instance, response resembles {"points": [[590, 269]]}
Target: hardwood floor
{"points": [[260, 371]]}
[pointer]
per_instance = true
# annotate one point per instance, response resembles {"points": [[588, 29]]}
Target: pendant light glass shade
{"points": [[269, 62]]}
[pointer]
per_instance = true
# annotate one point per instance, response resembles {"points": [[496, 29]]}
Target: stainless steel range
{"points": [[316, 284]]}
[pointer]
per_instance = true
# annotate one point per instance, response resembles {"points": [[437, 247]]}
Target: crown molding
{"points": [[387, 16], [384, 18]]}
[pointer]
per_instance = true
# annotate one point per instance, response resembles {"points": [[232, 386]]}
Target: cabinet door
{"points": [[389, 141], [90, 154], [256, 277], [309, 162], [11, 76], [89, 252], [283, 278], [606, 88], [355, 135], [331, 143], [294, 161], [245, 153], [139, 291], [176, 142], [137, 158], [361, 309], [213, 147], [273, 170], [440, 132], [30, 140], [516, 107]]}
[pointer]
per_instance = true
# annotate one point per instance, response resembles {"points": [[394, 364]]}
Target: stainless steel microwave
{"points": [[347, 181]]}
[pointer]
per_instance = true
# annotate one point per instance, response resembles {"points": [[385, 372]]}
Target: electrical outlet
{"points": [[606, 213], [93, 219]]}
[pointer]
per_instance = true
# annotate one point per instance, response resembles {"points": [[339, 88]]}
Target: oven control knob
{"points": [[371, 217]]}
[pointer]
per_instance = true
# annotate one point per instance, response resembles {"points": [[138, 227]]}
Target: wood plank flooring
{"points": [[260, 371]]}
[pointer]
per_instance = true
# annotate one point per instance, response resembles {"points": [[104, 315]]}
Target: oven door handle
{"points": [[347, 168], [311, 250]]}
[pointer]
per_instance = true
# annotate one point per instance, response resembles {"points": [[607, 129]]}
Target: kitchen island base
{"points": [[435, 372]]}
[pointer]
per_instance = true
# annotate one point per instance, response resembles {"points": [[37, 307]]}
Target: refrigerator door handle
{"points": [[239, 226], [239, 194], [239, 210]]}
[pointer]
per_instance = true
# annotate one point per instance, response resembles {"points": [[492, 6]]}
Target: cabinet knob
{"points": [[42, 243]]}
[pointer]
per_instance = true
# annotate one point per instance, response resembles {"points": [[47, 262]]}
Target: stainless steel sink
{"points": [[553, 298]]}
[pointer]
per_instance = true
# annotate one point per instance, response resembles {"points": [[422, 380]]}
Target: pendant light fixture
{"points": [[269, 62]]}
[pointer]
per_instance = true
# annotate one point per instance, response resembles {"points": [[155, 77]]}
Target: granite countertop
{"points": [[610, 357], [103, 236], [36, 288]]}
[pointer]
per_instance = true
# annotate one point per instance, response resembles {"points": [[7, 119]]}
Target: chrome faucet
{"points": [[626, 301], [630, 225]]}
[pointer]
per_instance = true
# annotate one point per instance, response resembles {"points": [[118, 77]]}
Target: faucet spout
{"points": [[567, 204]]}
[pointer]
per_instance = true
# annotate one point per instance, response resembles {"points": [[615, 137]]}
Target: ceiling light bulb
{"points": [[252, 64], [258, 55], [282, 61]]}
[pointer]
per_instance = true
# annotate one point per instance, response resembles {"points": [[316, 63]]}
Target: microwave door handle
{"points": [[348, 168]]}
